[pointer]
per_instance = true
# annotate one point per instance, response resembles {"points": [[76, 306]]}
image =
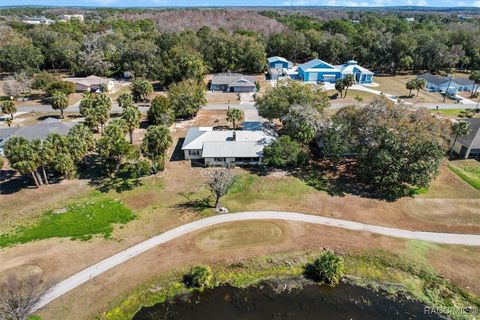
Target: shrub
{"points": [[199, 276], [63, 86], [327, 268]]}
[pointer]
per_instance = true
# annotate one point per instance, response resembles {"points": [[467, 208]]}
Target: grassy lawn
{"points": [[120, 91], [81, 221], [376, 269], [396, 85], [468, 170], [455, 113], [237, 235]]}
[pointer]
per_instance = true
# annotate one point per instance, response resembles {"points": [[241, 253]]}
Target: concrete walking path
{"points": [[85, 275]]}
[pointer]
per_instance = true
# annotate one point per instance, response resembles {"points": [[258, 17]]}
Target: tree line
{"points": [[385, 43]]}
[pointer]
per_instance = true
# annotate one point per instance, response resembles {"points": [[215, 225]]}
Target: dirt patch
{"points": [[226, 98], [211, 118]]}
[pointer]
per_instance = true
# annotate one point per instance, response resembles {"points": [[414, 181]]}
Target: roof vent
{"points": [[352, 62]]}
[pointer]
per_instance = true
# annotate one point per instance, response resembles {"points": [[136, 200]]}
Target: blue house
{"points": [[437, 83], [317, 70]]}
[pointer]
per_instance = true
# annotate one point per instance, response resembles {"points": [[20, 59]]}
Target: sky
{"points": [[152, 3]]}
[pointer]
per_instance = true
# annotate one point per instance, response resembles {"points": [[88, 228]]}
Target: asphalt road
{"points": [[85, 275]]}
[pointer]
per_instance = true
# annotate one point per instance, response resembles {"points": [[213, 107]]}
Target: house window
{"points": [[219, 159], [194, 152]]}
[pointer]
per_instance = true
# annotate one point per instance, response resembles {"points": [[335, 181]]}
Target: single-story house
{"points": [[91, 83], [278, 66], [437, 83], [233, 82], [221, 147], [317, 70], [469, 146], [37, 131]]}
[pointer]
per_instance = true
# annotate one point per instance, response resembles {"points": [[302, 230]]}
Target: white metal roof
{"points": [[216, 143], [234, 149]]}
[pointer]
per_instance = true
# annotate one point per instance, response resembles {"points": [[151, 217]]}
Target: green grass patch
{"points": [[374, 269], [81, 221], [249, 189], [468, 173]]}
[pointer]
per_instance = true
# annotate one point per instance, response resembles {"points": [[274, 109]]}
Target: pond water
{"points": [[263, 302]]}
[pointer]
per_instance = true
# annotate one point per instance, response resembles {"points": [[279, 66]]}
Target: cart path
{"points": [[85, 275]]}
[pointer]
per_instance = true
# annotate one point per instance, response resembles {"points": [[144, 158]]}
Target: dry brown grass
{"points": [[227, 98], [396, 85]]}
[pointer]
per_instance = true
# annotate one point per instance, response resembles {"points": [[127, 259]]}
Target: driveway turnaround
{"points": [[83, 276]]}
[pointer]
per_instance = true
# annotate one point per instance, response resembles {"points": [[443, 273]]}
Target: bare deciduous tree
{"points": [[19, 296], [220, 180], [17, 85]]}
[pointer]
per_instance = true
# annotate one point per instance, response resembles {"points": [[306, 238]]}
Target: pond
{"points": [[266, 301]]}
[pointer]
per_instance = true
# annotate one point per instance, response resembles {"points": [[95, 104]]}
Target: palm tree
{"points": [[475, 77], [8, 107], [420, 84], [59, 101], [234, 115], [348, 81], [132, 117], [155, 144], [125, 100], [412, 84], [448, 86], [23, 157], [340, 86], [65, 165], [459, 128]]}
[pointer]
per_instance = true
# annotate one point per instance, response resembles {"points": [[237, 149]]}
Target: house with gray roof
{"points": [[221, 147], [37, 131], [437, 83], [469, 146], [233, 82]]}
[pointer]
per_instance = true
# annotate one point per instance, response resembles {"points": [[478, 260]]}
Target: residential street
{"points": [[85, 275]]}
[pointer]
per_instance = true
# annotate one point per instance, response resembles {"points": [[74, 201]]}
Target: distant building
{"points": [[410, 19], [37, 131], [68, 17], [91, 83], [38, 21], [436, 83], [233, 82], [469, 146], [317, 70], [216, 147]]}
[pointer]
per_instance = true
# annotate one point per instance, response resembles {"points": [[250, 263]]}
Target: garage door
{"points": [[313, 76], [329, 78]]}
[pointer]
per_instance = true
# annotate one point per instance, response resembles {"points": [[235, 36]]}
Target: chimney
{"points": [[234, 136]]}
